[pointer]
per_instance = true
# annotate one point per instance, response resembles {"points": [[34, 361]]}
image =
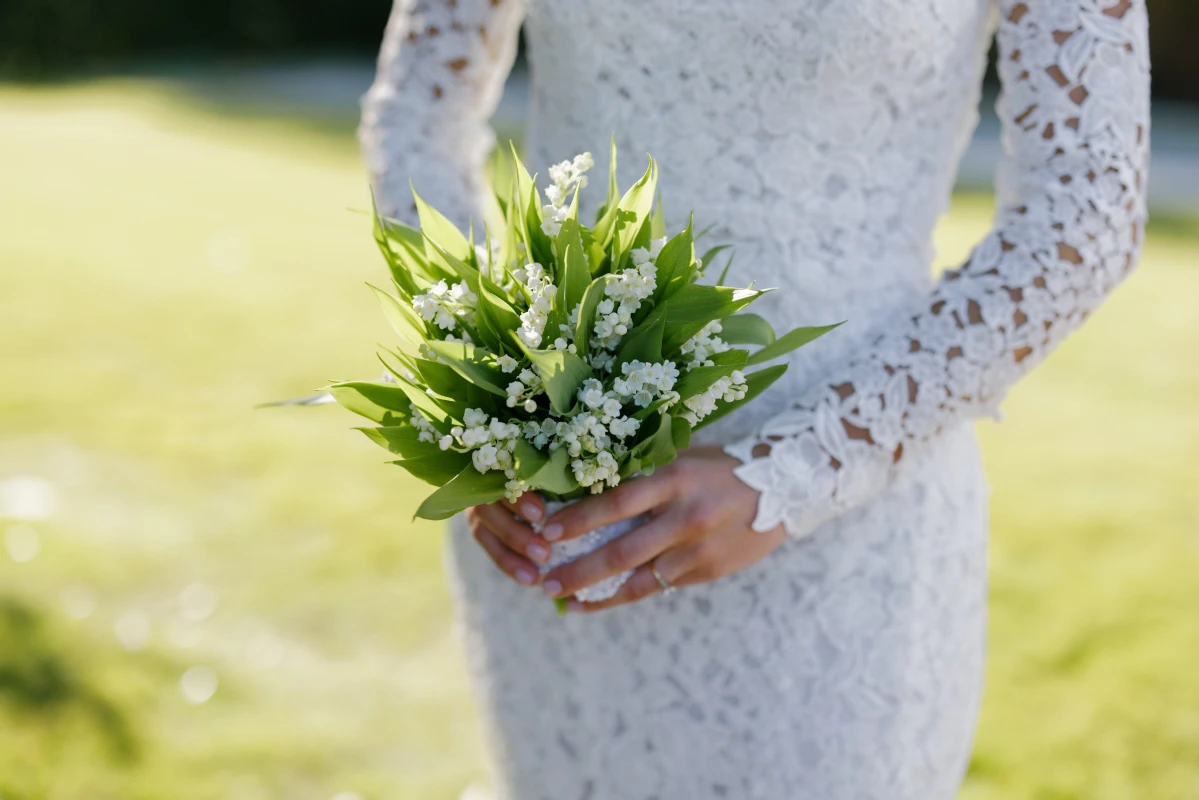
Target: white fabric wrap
{"points": [[571, 549]]}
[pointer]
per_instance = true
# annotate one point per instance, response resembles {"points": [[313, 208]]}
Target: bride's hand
{"points": [[699, 530], [501, 530]]}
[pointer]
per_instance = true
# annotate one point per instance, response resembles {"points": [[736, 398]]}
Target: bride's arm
{"points": [[441, 72], [1075, 114]]}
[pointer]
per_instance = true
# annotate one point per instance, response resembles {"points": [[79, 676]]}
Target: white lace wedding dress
{"points": [[823, 136]]}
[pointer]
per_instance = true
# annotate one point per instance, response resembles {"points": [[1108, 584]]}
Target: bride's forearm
{"points": [[1075, 111], [441, 72]]}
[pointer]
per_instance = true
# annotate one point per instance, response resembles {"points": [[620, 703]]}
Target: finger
{"points": [[641, 584], [512, 565], [518, 536], [678, 564], [627, 500], [638, 546], [530, 506]]}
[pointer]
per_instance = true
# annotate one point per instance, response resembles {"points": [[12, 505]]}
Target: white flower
{"points": [[703, 345], [624, 427], [513, 489], [595, 472], [566, 175], [591, 393], [729, 389], [508, 363], [426, 431], [485, 458], [542, 293], [442, 304], [642, 383], [622, 298], [522, 391], [446, 442]]}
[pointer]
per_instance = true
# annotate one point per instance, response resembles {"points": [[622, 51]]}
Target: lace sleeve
{"points": [[441, 72], [1075, 114]]}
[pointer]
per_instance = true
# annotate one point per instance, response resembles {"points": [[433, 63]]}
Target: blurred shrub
{"points": [[41, 37], [40, 682], [1173, 29]]}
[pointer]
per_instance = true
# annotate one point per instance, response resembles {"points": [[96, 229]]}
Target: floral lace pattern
{"points": [[825, 136]]}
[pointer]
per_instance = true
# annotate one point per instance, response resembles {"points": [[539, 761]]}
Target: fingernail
{"points": [[525, 577], [574, 605], [552, 533], [551, 588], [538, 552], [530, 512]]}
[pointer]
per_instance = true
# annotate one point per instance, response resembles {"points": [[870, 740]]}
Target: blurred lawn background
{"points": [[199, 600]]}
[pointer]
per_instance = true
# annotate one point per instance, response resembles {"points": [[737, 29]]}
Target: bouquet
{"points": [[552, 356]]}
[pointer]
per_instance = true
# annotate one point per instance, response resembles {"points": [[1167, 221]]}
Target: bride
{"points": [[829, 545]]}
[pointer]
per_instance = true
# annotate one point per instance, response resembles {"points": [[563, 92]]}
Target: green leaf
{"points": [[403, 440], [562, 373], [613, 187], [411, 267], [756, 383], [634, 209], [440, 378], [468, 488], [790, 341], [644, 342], [440, 231], [434, 470], [591, 299], [529, 460], [647, 412], [674, 264], [707, 257], [746, 329], [385, 403], [695, 305], [528, 202], [555, 476], [724, 273], [401, 276], [698, 379], [575, 277], [425, 460], [460, 269], [657, 222], [680, 433], [658, 449], [403, 319], [495, 318], [440, 411], [540, 245], [621, 221], [474, 364]]}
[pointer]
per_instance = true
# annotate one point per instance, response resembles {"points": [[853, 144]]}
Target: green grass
{"points": [[165, 266]]}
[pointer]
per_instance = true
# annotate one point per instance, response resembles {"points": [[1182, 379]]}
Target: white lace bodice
{"points": [[826, 160]]}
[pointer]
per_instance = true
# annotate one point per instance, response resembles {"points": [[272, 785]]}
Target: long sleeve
{"points": [[1075, 115], [440, 76]]}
